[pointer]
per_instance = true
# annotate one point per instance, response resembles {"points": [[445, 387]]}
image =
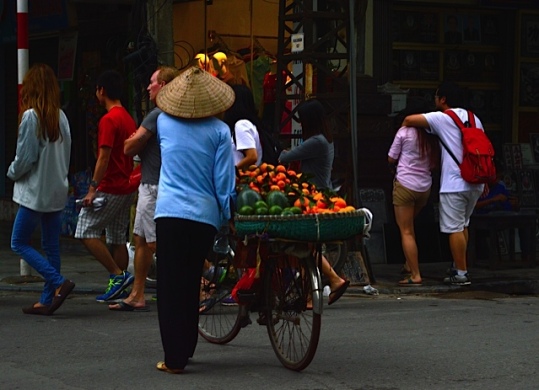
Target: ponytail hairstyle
{"points": [[242, 108], [40, 91], [314, 120]]}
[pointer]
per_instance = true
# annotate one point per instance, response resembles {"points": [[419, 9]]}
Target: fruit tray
{"points": [[304, 227]]}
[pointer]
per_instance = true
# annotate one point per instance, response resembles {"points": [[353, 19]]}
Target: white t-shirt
{"points": [[246, 138], [443, 126]]}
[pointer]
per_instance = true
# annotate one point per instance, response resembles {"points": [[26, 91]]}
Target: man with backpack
{"points": [[457, 195]]}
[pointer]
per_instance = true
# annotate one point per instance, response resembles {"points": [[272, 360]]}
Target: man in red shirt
{"points": [[110, 181]]}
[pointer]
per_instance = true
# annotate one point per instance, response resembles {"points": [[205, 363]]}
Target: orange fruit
{"points": [[280, 168], [318, 196], [338, 201], [280, 176], [321, 204]]}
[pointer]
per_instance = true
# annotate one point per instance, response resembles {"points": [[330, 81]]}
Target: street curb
{"points": [[513, 287]]}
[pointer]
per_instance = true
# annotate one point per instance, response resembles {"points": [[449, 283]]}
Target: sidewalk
{"points": [[91, 278]]}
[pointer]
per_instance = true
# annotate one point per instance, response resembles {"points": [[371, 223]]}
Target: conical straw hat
{"points": [[195, 94]]}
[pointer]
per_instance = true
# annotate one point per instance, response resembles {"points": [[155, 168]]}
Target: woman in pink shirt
{"points": [[415, 153]]}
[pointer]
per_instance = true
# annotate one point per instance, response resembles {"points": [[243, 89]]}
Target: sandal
{"points": [[206, 305], [162, 367]]}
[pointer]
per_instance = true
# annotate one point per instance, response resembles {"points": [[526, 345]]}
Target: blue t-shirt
{"points": [[495, 190], [197, 178]]}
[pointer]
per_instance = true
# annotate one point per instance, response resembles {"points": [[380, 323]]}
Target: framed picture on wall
{"points": [[534, 143], [529, 41], [529, 83], [527, 190], [429, 65], [429, 28], [453, 29], [471, 32]]}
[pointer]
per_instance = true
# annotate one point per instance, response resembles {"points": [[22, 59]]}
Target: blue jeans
{"points": [[26, 222]]}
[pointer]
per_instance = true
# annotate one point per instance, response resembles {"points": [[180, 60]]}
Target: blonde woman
{"points": [[39, 171]]}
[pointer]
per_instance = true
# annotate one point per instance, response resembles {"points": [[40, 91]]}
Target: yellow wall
{"points": [[225, 17]]}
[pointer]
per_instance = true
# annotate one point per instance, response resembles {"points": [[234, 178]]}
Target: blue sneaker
{"points": [[229, 301], [124, 294], [117, 284]]}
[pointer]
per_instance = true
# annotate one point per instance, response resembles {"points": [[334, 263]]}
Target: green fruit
{"points": [[261, 210], [275, 210], [277, 198], [247, 197], [246, 210], [287, 212], [260, 203], [295, 210]]}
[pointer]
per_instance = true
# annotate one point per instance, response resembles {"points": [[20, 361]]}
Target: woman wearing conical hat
{"points": [[196, 188]]}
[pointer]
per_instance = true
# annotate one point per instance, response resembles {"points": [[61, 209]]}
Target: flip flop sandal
{"points": [[335, 295], [123, 306], [408, 282], [206, 305]]}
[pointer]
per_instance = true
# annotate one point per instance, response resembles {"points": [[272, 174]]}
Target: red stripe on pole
{"points": [[22, 30], [22, 43]]}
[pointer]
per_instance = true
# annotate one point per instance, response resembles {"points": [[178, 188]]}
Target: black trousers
{"points": [[182, 246]]}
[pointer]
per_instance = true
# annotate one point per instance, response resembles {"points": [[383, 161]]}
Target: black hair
{"points": [[452, 93], [313, 119], [113, 83], [243, 108]]}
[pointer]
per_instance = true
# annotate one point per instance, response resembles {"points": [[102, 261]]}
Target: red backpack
{"points": [[477, 164]]}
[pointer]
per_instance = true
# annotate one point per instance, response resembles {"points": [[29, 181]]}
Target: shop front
{"points": [[490, 47]]}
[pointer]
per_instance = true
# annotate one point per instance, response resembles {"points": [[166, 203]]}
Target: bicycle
{"points": [[336, 252], [289, 280]]}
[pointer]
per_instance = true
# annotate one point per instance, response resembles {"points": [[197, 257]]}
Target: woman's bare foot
{"points": [[336, 286], [131, 303]]}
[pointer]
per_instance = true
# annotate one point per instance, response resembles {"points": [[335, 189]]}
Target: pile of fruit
{"points": [[276, 190]]}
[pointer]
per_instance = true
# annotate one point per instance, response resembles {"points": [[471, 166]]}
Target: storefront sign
{"points": [[46, 15]]}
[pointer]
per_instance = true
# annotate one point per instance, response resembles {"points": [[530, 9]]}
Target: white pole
{"points": [[22, 57]]}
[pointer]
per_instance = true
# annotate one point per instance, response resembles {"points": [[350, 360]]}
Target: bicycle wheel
{"points": [[294, 330], [336, 254], [219, 323]]}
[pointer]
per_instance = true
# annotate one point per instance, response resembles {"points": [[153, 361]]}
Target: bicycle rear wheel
{"points": [[219, 323], [290, 285], [336, 254]]}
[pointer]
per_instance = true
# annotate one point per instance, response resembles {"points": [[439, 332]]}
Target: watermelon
{"points": [[277, 198], [247, 197]]}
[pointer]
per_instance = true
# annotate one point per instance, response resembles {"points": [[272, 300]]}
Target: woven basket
{"points": [[308, 227]]}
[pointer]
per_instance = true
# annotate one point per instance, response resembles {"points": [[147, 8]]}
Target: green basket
{"points": [[305, 227]]}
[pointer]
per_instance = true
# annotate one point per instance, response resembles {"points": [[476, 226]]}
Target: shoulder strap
{"points": [[460, 125], [449, 151], [456, 118], [471, 119]]}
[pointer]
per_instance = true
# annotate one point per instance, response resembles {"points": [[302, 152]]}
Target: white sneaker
{"points": [[458, 280]]}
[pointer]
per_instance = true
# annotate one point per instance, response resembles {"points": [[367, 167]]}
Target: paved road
{"points": [[485, 341]]}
